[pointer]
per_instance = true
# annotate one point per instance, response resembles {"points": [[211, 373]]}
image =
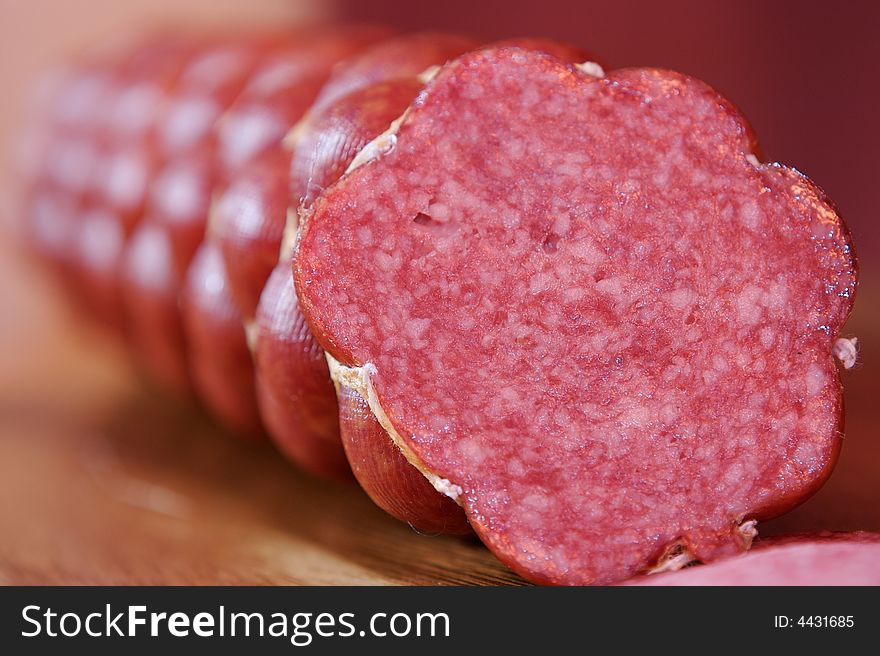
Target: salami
{"points": [[124, 163], [252, 214], [586, 312], [326, 143], [282, 89], [250, 132], [61, 173], [296, 396], [220, 362], [823, 559]]}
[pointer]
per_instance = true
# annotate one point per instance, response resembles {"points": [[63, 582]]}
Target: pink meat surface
{"points": [[587, 307]]}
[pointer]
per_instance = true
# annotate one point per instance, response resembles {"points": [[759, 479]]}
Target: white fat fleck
{"points": [[591, 68], [748, 309], [126, 179], [540, 282], [612, 286], [188, 121], [846, 349], [681, 297], [415, 328], [750, 214], [753, 160], [359, 379], [767, 337], [102, 240], [637, 417], [815, 379]]}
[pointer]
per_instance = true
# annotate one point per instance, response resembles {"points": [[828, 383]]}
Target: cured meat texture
{"points": [[586, 312], [824, 559]]}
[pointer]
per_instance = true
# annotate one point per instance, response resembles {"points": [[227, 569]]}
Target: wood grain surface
{"points": [[105, 481]]}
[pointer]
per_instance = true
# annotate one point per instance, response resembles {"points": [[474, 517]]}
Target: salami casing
{"points": [[296, 396], [282, 86]]}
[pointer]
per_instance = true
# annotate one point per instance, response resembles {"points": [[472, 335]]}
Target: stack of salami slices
{"points": [[504, 290]]}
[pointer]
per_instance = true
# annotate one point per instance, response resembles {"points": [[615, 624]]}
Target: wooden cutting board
{"points": [[106, 481]]}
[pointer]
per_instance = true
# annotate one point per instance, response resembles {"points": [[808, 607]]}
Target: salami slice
{"points": [[586, 312], [823, 559]]}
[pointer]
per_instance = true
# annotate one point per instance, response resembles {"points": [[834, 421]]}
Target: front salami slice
{"points": [[823, 559], [586, 312]]}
